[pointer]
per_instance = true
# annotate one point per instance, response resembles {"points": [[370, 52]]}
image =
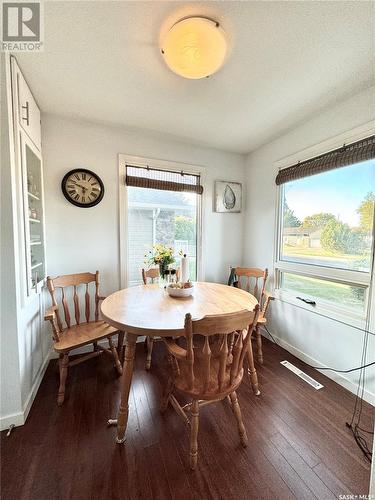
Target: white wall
{"points": [[86, 239], [311, 337]]}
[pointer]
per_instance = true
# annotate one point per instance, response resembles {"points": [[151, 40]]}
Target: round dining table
{"points": [[149, 310]]}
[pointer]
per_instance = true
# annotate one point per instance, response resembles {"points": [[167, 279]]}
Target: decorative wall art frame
{"points": [[228, 196]]}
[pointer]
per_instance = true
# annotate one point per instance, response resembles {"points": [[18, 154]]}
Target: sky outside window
{"points": [[328, 218], [339, 192]]}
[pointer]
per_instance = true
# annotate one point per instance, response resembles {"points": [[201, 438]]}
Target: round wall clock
{"points": [[82, 187]]}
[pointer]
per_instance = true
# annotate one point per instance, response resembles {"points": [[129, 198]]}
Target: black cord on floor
{"points": [[361, 441], [354, 427]]}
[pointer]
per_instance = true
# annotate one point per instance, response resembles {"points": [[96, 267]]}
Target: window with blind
{"points": [[163, 208], [326, 225]]}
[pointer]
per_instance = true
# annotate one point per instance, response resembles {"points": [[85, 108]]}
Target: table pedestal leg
{"points": [[120, 346], [127, 374]]}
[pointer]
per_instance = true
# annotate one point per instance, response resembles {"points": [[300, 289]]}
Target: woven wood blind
{"points": [[152, 178], [347, 155]]}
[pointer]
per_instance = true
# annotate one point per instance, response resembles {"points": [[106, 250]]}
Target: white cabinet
{"points": [[28, 111], [29, 180], [25, 341]]}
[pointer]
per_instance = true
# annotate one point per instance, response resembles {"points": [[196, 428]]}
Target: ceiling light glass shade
{"points": [[194, 47]]}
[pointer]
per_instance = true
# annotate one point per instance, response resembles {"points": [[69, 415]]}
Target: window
{"points": [[162, 216], [325, 238]]}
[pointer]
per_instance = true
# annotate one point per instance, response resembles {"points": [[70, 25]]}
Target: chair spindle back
{"points": [[214, 355], [151, 274], [74, 281], [253, 280]]}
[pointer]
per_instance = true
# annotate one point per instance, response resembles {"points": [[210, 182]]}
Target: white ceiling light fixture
{"points": [[194, 47]]}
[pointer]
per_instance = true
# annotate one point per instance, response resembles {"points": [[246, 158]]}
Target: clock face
{"points": [[82, 187]]}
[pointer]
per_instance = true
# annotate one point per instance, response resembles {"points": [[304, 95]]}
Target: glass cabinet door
{"points": [[34, 217]]}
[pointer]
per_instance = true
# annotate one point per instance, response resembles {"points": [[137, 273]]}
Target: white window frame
{"points": [[139, 161], [349, 277]]}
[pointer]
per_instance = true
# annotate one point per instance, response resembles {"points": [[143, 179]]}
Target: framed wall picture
{"points": [[228, 196]]}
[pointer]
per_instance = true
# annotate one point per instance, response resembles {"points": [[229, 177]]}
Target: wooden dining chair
{"points": [[253, 280], [82, 331], [154, 274], [208, 369], [149, 275]]}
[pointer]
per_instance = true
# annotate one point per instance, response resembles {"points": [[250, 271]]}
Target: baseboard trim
{"points": [[336, 377], [35, 387], [16, 419], [19, 418]]}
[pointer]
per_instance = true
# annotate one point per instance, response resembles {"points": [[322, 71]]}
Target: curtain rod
{"points": [[147, 167]]}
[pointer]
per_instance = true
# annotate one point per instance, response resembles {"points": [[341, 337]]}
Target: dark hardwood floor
{"points": [[299, 446]]}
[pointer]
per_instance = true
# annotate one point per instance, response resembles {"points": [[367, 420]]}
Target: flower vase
{"points": [[163, 267]]}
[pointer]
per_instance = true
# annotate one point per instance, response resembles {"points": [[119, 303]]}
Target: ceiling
{"points": [[287, 61]]}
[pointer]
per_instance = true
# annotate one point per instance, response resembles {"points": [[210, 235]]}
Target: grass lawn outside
{"points": [[337, 293], [317, 252], [319, 256]]}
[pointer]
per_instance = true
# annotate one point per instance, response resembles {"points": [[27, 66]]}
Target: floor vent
{"points": [[302, 375]]}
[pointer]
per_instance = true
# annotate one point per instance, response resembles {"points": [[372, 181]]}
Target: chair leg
{"points": [[252, 371], [238, 415], [150, 344], [166, 395], [194, 425], [259, 344], [63, 362], [115, 355]]}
